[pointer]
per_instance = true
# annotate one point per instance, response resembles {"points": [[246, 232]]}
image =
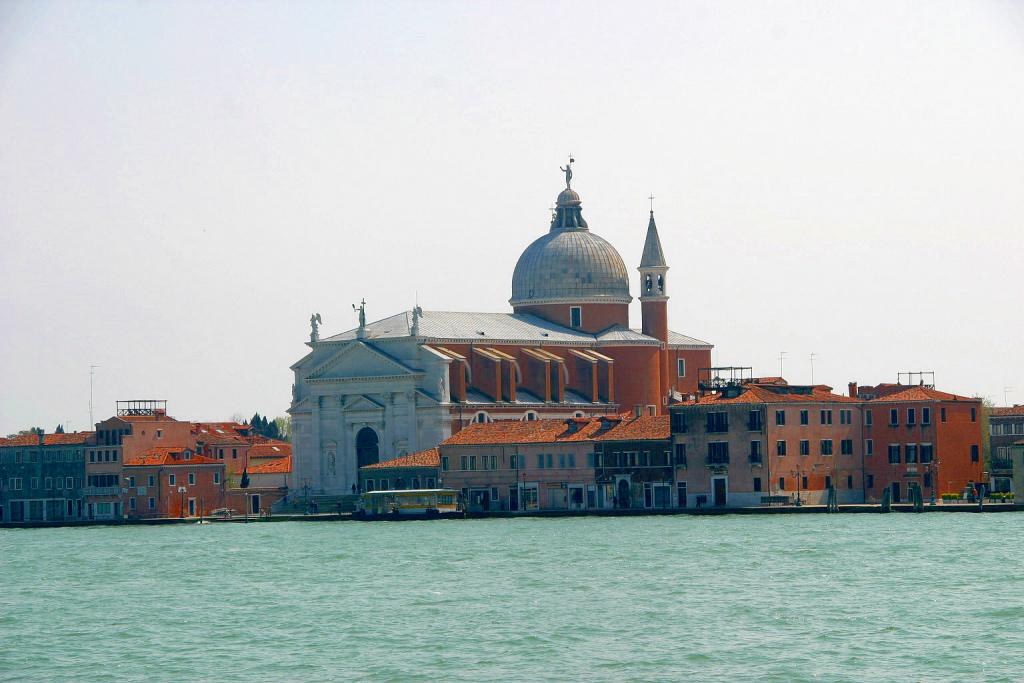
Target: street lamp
{"points": [[181, 490]]}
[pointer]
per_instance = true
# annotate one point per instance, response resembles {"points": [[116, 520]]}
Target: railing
{"points": [[721, 459], [755, 458], [1002, 464], [102, 490]]}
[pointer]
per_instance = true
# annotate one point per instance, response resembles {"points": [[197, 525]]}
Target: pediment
{"points": [[360, 360], [362, 403]]}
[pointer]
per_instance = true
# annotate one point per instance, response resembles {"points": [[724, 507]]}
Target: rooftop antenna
{"points": [[813, 356], [1006, 392], [92, 374], [782, 363]]}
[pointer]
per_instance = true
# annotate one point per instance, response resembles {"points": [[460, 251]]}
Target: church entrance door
{"points": [[367, 450]]}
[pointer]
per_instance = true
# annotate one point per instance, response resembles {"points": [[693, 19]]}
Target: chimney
{"points": [[853, 390], [42, 438]]}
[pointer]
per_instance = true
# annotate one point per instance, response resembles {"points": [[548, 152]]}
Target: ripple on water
{"points": [[781, 598]]}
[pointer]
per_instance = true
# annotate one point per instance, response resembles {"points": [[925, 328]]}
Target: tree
{"points": [[26, 432], [284, 427], [59, 429], [986, 442]]}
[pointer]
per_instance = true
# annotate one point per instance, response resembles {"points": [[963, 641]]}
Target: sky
{"points": [[183, 183]]}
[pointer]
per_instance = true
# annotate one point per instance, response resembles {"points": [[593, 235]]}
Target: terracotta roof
{"points": [[278, 466], [770, 393], [653, 427], [1007, 411], [270, 449], [69, 439], [427, 458], [919, 393], [168, 456], [625, 427]]}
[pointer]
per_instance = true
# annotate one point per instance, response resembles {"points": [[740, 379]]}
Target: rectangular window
{"points": [[757, 484], [911, 417], [927, 452], [494, 494], [171, 480], [60, 483], [894, 454], [151, 480], [191, 478], [49, 483], [444, 463], [846, 416], [159, 433], [718, 453], [369, 485], [591, 459], [234, 453], [846, 446], [754, 421], [69, 483], [681, 494], [385, 484], [805, 447], [464, 463], [803, 482], [131, 482], [826, 417], [494, 462], [911, 452], [572, 460], [645, 458], [681, 367], [869, 481], [678, 422], [780, 417], [868, 417], [152, 503], [974, 452], [216, 477], [894, 417], [828, 482], [849, 481], [942, 414], [540, 461], [561, 461], [782, 483], [34, 483], [131, 504], [472, 463], [869, 447], [575, 316], [926, 416], [549, 460], [974, 414], [755, 451], [826, 446], [681, 454], [805, 417], [780, 448], [718, 422]]}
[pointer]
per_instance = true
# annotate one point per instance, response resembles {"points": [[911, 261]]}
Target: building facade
{"points": [[42, 477], [406, 383], [173, 482], [1005, 429], [415, 471]]}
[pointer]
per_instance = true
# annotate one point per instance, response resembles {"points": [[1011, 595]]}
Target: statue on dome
{"points": [[568, 173], [314, 322]]}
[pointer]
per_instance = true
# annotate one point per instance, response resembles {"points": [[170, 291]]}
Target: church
{"points": [[407, 382]]}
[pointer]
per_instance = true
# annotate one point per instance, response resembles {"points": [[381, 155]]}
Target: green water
{"points": [[934, 597]]}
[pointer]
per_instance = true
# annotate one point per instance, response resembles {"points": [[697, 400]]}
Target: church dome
{"points": [[570, 264]]}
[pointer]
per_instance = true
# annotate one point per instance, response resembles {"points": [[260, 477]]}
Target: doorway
{"points": [[367, 447], [720, 490], [191, 507], [622, 494], [895, 492], [255, 503]]}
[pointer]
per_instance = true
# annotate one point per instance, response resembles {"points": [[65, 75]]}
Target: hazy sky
{"points": [[183, 183]]}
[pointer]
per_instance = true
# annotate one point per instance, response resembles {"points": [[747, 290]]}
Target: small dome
{"points": [[570, 264]]}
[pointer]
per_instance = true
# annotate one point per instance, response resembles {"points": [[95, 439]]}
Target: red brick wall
{"points": [[637, 375], [596, 317]]}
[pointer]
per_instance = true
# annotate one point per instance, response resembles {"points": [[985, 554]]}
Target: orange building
{"points": [[919, 436], [173, 482]]}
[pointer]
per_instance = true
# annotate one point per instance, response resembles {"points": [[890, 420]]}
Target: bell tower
{"points": [[654, 297]]}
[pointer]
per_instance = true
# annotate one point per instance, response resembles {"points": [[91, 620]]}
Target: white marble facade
{"points": [[395, 387]]}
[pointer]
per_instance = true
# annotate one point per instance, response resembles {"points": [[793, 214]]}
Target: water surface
{"points": [[769, 598]]}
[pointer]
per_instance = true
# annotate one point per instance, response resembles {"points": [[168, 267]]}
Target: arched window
{"points": [[661, 284], [530, 415], [367, 451], [648, 283], [482, 417]]}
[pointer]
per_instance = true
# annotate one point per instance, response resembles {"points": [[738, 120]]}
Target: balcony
{"points": [[102, 491], [717, 460], [755, 459], [1002, 464]]}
